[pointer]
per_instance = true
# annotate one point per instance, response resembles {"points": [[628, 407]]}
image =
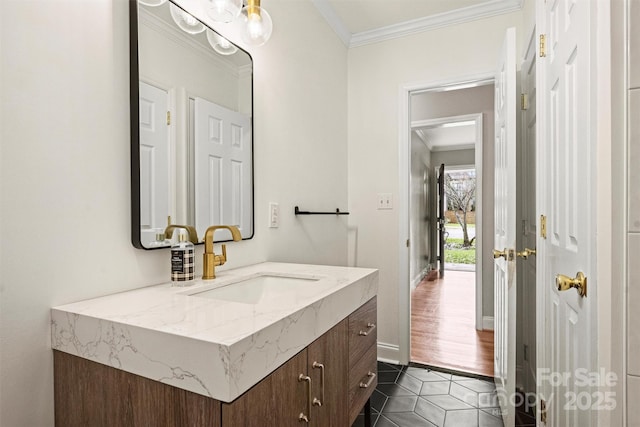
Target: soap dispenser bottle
{"points": [[182, 262]]}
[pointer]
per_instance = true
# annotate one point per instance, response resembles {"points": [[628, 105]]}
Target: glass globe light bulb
{"points": [[220, 44], [223, 10], [257, 26], [185, 21], [152, 2]]}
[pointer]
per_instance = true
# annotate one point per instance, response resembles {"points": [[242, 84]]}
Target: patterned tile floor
{"points": [[417, 397]]}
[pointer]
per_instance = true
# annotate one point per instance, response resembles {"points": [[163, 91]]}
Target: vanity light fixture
{"points": [[185, 21], [256, 24], [220, 44], [255, 21]]}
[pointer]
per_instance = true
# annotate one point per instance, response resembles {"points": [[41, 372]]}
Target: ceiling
{"points": [[360, 22], [443, 138]]}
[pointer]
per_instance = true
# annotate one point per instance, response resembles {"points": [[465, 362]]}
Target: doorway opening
{"points": [[449, 327], [459, 217]]}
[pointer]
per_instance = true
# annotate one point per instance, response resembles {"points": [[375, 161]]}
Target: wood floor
{"points": [[443, 332]]}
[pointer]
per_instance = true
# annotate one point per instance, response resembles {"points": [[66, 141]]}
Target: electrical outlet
{"points": [[385, 201], [274, 215]]}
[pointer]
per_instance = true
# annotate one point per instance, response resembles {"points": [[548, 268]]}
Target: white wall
{"points": [[65, 210], [376, 73], [633, 216], [455, 158]]}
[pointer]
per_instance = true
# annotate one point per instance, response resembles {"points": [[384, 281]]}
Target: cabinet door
{"points": [[327, 359], [277, 400]]}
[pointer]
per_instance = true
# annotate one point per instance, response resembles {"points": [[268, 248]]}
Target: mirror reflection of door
{"points": [[222, 168], [154, 162], [441, 219]]}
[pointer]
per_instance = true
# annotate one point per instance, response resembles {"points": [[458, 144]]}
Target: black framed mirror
{"points": [[191, 99]]}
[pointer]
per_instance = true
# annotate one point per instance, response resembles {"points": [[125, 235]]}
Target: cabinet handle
{"points": [[370, 328], [321, 367], [302, 416], [371, 376]]}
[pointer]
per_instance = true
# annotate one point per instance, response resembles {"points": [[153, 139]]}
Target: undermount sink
{"points": [[268, 288]]}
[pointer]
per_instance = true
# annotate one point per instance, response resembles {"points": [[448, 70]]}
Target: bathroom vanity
{"points": [[266, 345]]}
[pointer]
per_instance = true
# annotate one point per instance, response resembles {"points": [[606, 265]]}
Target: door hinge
{"points": [[407, 242], [524, 102], [543, 45], [168, 118], [543, 226], [543, 411]]}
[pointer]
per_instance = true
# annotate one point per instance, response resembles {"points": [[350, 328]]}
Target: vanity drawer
{"points": [[362, 331], [363, 379]]}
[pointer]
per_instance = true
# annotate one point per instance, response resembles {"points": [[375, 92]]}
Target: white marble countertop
{"points": [[214, 347]]}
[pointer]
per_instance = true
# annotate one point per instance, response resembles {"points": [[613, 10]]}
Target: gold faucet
{"points": [[211, 260], [193, 234]]}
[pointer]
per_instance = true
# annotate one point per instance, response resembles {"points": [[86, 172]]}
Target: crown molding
{"points": [[414, 26]]}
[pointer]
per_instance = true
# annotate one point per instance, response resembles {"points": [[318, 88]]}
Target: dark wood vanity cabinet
{"points": [[92, 394], [277, 400], [363, 360], [329, 353], [325, 385], [299, 392]]}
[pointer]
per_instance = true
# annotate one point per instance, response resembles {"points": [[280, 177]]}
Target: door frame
{"points": [[404, 167], [478, 119]]}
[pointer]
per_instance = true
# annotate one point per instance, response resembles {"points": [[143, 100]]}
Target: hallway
{"points": [[443, 330]]}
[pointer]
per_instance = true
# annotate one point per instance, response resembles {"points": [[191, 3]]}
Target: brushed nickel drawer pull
{"points": [[302, 416], [321, 367], [371, 376], [370, 328]]}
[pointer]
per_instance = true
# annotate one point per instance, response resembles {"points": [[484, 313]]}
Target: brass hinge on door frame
{"points": [[168, 118], [543, 45], [543, 411], [524, 101], [543, 226]]}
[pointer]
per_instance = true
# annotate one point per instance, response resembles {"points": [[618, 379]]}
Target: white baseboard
{"points": [[487, 323], [416, 280], [389, 353]]}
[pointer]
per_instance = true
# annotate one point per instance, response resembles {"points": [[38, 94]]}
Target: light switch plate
{"points": [[385, 201], [274, 215]]}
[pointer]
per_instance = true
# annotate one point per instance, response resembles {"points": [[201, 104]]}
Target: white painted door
{"points": [[154, 161], [567, 164], [223, 169], [505, 228], [526, 335]]}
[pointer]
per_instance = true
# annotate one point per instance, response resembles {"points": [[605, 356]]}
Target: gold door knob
{"points": [[579, 283], [506, 254], [526, 253]]}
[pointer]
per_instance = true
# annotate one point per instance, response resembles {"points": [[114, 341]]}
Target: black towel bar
{"points": [[297, 211]]}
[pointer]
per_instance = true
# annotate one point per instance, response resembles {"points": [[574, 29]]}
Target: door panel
{"points": [[154, 162], [222, 169], [441, 219], [505, 290], [527, 204], [566, 109]]}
